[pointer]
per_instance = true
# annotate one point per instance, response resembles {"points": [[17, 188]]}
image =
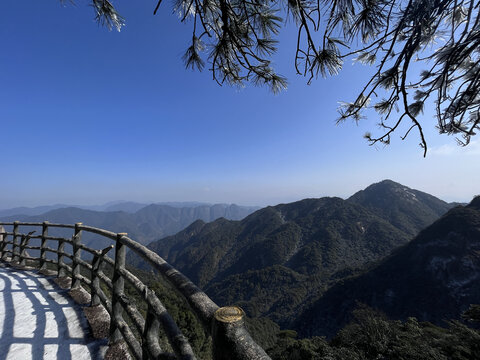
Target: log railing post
{"points": [[231, 340], [43, 245], [61, 272], [15, 242], [23, 250], [77, 238], [97, 269], [150, 347], [95, 285], [118, 290], [3, 238], [21, 257]]}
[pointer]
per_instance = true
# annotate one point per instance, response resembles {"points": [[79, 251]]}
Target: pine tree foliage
{"points": [[106, 14], [237, 38], [472, 314]]}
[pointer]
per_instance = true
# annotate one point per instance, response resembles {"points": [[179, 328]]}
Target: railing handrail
{"points": [[230, 338]]}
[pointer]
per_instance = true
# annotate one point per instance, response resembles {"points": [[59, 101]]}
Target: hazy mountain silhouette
{"points": [[145, 225]]}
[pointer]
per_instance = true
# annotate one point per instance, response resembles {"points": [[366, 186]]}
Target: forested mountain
{"points": [[408, 209], [433, 278], [279, 259]]}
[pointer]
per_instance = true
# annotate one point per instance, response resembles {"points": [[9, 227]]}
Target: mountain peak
{"points": [[386, 184], [475, 203], [408, 209], [394, 188]]}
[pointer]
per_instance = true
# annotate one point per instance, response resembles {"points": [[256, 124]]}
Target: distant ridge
{"points": [[148, 223], [132, 207], [118, 205], [38, 210]]}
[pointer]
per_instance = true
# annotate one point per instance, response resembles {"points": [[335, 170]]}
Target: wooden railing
{"points": [[230, 339]]}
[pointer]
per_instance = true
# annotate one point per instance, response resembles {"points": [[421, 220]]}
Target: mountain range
{"points": [[281, 259], [144, 225], [119, 205]]}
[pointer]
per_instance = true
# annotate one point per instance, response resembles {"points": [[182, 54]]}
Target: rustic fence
{"points": [[230, 339]]}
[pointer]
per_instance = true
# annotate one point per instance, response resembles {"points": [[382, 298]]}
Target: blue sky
{"points": [[89, 116]]}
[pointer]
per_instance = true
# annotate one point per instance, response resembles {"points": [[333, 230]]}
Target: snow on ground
{"points": [[38, 320]]}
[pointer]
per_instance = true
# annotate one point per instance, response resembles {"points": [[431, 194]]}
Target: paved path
{"points": [[38, 320]]}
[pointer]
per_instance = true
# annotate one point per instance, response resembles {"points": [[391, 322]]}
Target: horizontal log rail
{"points": [[230, 339]]}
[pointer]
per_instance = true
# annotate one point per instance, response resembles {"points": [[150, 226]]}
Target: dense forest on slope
{"points": [[434, 277], [272, 260], [369, 335]]}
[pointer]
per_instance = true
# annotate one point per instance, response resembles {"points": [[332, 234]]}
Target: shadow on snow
{"points": [[38, 320]]}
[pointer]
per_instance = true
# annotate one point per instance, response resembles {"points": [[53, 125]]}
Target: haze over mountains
{"points": [[127, 206], [282, 259], [120, 205], [144, 225]]}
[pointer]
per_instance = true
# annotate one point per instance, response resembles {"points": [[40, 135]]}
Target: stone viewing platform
{"points": [[39, 320]]}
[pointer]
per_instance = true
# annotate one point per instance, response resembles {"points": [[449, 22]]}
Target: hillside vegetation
{"points": [[280, 259], [433, 278]]}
